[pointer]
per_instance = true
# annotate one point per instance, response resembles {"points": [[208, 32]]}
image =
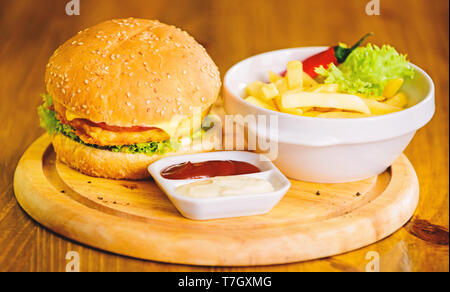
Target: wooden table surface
{"points": [[230, 30]]}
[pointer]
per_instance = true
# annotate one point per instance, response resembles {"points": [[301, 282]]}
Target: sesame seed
{"points": [[128, 94], [86, 81], [148, 101], [129, 103]]}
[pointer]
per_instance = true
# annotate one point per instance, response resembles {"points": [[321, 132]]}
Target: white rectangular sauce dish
{"points": [[228, 206]]}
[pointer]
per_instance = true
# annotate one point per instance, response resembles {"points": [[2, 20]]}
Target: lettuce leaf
{"points": [[367, 70], [53, 126]]}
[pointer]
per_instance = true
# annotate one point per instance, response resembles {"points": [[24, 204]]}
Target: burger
{"points": [[125, 93]]}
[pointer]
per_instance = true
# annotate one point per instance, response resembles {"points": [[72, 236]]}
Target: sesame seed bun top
{"points": [[132, 72]]}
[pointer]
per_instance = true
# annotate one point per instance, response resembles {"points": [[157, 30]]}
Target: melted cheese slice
{"points": [[178, 126]]}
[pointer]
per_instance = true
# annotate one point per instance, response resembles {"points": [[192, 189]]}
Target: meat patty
{"points": [[98, 134], [102, 134]]}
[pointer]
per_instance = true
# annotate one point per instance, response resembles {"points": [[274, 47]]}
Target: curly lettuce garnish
{"points": [[53, 126], [367, 70]]}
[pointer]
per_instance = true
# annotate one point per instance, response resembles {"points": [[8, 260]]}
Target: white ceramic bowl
{"points": [[330, 150], [222, 207]]}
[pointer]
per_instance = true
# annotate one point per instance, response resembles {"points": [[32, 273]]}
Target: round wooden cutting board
{"points": [[136, 218]]}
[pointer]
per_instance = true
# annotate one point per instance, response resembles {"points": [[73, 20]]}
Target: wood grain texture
{"points": [[136, 218], [231, 30]]}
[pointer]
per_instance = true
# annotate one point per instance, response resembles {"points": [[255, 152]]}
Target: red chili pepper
{"points": [[334, 55]]}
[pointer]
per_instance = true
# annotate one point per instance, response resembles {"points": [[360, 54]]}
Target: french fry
{"points": [[327, 100], [255, 101], [281, 85], [294, 74], [274, 77], [377, 98], [323, 109], [293, 111], [254, 88], [269, 91], [380, 108], [342, 115], [399, 100], [392, 87], [324, 88], [308, 81], [311, 114]]}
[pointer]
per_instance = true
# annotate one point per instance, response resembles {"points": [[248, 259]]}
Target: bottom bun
{"points": [[108, 164]]}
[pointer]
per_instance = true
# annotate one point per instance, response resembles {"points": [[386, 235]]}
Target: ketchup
{"points": [[206, 169]]}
